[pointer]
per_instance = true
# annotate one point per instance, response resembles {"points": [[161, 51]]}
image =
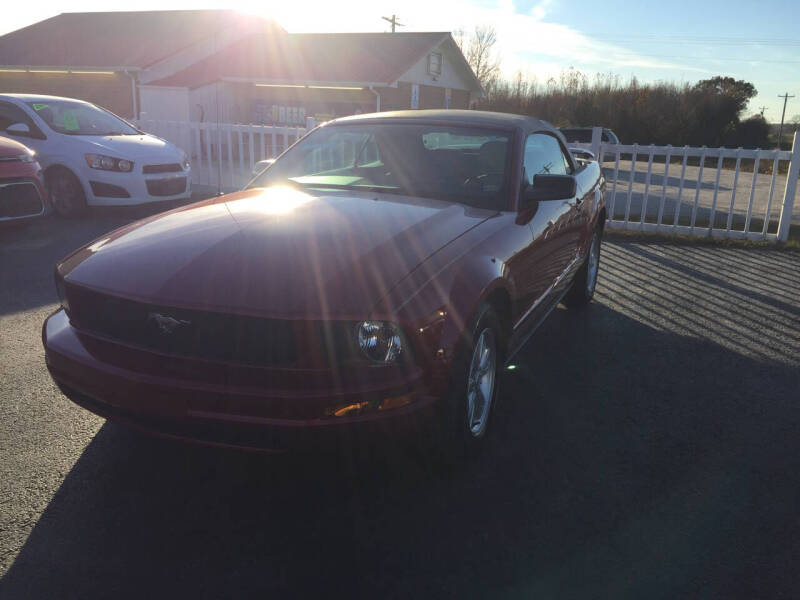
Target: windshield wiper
{"points": [[349, 186]]}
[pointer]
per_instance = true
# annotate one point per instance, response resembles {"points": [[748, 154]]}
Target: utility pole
{"points": [[785, 97], [762, 109], [393, 21]]}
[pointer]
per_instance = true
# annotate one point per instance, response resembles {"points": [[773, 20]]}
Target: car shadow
{"points": [[626, 461]]}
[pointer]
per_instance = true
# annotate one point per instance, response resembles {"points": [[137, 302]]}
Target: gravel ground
{"points": [[645, 447]]}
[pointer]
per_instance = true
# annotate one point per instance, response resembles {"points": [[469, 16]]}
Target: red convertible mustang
{"points": [[384, 269]]}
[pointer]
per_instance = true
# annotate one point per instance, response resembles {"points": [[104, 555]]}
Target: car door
{"points": [[552, 222], [579, 207]]}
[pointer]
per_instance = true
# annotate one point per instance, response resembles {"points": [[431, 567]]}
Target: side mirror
{"points": [[19, 129], [261, 165], [551, 187]]}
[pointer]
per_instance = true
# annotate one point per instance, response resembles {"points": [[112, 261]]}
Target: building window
{"points": [[434, 63], [414, 95]]}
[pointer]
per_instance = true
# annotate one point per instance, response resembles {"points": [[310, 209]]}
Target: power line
{"points": [[744, 60], [701, 39]]}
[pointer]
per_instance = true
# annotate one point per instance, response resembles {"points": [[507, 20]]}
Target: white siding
{"points": [[453, 72], [164, 104], [205, 98]]}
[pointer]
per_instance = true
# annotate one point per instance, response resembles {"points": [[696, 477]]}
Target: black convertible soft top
{"points": [[461, 117]]}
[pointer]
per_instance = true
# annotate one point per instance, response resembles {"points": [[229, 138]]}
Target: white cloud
{"points": [[526, 41], [539, 11]]}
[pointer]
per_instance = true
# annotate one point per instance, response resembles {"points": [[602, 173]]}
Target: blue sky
{"points": [[679, 40]]}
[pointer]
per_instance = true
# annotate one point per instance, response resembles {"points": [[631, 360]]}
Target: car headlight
{"points": [[28, 157], [108, 163], [380, 341], [185, 161]]}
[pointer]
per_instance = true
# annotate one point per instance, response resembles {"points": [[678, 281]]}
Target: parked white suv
{"points": [[92, 157]]}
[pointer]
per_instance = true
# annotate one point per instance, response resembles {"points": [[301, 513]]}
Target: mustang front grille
{"points": [[208, 335]]}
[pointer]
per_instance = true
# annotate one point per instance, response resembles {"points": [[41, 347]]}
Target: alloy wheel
{"points": [[593, 264], [481, 382]]}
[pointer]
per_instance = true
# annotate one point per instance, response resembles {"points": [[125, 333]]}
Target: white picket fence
{"points": [[719, 192], [223, 155]]}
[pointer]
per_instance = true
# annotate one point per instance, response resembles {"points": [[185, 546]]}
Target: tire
{"points": [[582, 290], [66, 192], [465, 415]]}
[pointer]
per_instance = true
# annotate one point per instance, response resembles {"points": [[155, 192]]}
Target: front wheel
{"points": [[66, 192], [582, 290], [468, 407]]}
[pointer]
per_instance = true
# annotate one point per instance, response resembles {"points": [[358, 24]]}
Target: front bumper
{"points": [[110, 188], [120, 383]]}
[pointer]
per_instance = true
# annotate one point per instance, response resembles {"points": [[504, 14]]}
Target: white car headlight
{"points": [[380, 341], [108, 163]]}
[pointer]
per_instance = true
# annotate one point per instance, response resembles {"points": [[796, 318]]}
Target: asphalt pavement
{"points": [[644, 447]]}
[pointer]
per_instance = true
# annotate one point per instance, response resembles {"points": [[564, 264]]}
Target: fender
{"points": [[439, 299]]}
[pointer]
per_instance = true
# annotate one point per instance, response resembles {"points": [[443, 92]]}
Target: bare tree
{"points": [[795, 122], [480, 54], [459, 36]]}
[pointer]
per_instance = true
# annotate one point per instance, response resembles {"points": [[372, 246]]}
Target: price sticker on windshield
{"points": [[70, 121]]}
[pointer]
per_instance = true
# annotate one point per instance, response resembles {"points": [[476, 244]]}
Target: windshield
{"points": [[460, 164], [79, 118]]}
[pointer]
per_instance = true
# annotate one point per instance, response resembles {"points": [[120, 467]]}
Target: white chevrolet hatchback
{"points": [[92, 157]]}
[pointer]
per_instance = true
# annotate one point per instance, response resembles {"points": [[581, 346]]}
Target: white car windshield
{"points": [[79, 118], [461, 164]]}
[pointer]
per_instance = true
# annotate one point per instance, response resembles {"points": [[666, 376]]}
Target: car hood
{"points": [[277, 252], [9, 148], [132, 147]]}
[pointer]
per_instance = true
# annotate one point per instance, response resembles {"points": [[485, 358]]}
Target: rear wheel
{"points": [[582, 290], [66, 192]]}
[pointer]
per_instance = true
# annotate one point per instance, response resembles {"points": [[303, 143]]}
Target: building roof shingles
{"points": [[117, 39], [312, 57]]}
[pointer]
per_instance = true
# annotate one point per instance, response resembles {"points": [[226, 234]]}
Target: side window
{"points": [[544, 156], [11, 114]]}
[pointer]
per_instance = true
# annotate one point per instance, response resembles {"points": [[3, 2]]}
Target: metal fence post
{"points": [[788, 195], [597, 136]]}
